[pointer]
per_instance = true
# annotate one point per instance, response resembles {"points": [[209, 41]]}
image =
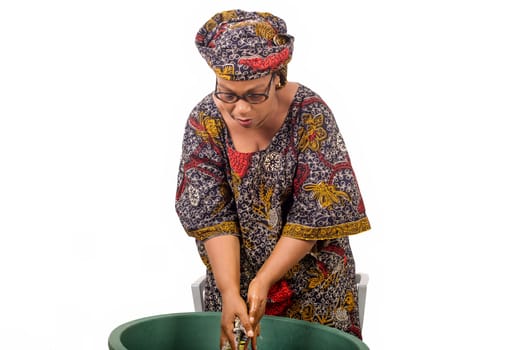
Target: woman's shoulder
{"points": [[306, 96], [206, 106], [308, 101], [205, 124]]}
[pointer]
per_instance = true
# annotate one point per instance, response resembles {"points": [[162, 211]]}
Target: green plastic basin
{"points": [[200, 330]]}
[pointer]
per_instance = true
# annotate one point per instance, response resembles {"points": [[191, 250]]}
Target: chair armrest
{"points": [[197, 289]]}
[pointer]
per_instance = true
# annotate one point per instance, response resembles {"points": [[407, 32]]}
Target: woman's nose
{"points": [[242, 106]]}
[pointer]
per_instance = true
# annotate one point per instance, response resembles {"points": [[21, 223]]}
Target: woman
{"points": [[266, 185]]}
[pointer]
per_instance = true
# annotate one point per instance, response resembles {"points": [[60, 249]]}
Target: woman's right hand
{"points": [[224, 256], [234, 306]]}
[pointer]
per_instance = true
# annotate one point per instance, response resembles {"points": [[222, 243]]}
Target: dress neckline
{"points": [[231, 146]]}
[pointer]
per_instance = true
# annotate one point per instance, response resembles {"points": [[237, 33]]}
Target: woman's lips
{"points": [[244, 122]]}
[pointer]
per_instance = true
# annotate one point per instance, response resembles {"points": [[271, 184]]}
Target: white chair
{"points": [[197, 289]]}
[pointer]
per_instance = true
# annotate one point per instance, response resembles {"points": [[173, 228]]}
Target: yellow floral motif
{"points": [[235, 184], [349, 301], [225, 72], [324, 319], [326, 194], [330, 280], [307, 312], [292, 272], [210, 25], [228, 15], [265, 196], [280, 39], [265, 14], [265, 30], [248, 244], [205, 260], [294, 310], [316, 280], [211, 127], [312, 135]]}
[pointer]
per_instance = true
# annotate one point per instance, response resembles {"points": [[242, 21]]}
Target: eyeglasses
{"points": [[229, 97]]}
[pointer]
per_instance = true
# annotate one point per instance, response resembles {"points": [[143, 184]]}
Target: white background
{"points": [[93, 100]]}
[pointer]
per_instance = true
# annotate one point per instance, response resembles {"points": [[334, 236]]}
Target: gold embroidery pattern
{"points": [[210, 25], [265, 197], [326, 194], [349, 301], [307, 313], [325, 319], [312, 134], [316, 279], [235, 183], [229, 227], [226, 16], [225, 72], [211, 128], [265, 30], [229, 15], [331, 232]]}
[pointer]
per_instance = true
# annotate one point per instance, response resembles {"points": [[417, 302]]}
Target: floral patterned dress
{"points": [[302, 186]]}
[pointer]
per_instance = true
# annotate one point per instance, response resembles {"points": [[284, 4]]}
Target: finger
{"points": [[244, 320], [227, 338], [231, 340], [254, 343], [223, 342], [255, 338]]}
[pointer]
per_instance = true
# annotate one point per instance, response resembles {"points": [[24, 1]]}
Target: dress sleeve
{"points": [[204, 202], [327, 203]]}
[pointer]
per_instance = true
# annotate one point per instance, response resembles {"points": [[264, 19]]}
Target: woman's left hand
{"points": [[286, 254], [256, 301]]}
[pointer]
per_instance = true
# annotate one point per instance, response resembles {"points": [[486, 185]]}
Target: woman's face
{"points": [[248, 103]]}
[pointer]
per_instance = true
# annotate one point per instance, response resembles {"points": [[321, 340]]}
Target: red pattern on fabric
{"points": [[301, 176], [270, 62], [361, 208], [279, 298], [356, 331], [322, 267], [335, 249], [239, 161], [197, 125]]}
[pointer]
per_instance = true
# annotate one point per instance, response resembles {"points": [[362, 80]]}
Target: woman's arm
{"points": [[224, 257], [287, 253]]}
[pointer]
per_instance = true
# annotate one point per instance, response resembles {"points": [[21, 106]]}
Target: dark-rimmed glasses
{"points": [[229, 97]]}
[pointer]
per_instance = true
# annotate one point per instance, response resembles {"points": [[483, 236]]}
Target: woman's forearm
{"points": [[287, 253], [224, 257]]}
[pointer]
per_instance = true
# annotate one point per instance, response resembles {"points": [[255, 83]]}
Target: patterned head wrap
{"points": [[241, 45]]}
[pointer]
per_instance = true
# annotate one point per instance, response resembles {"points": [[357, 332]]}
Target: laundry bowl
{"points": [[201, 331]]}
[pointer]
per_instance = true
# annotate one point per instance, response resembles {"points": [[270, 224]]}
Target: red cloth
{"points": [[279, 298]]}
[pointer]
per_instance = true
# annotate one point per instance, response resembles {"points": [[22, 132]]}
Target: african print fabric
{"points": [[243, 45], [302, 186]]}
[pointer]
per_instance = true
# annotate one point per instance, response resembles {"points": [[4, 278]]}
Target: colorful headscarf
{"points": [[241, 45]]}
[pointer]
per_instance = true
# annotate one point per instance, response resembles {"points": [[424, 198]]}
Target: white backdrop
{"points": [[93, 100]]}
